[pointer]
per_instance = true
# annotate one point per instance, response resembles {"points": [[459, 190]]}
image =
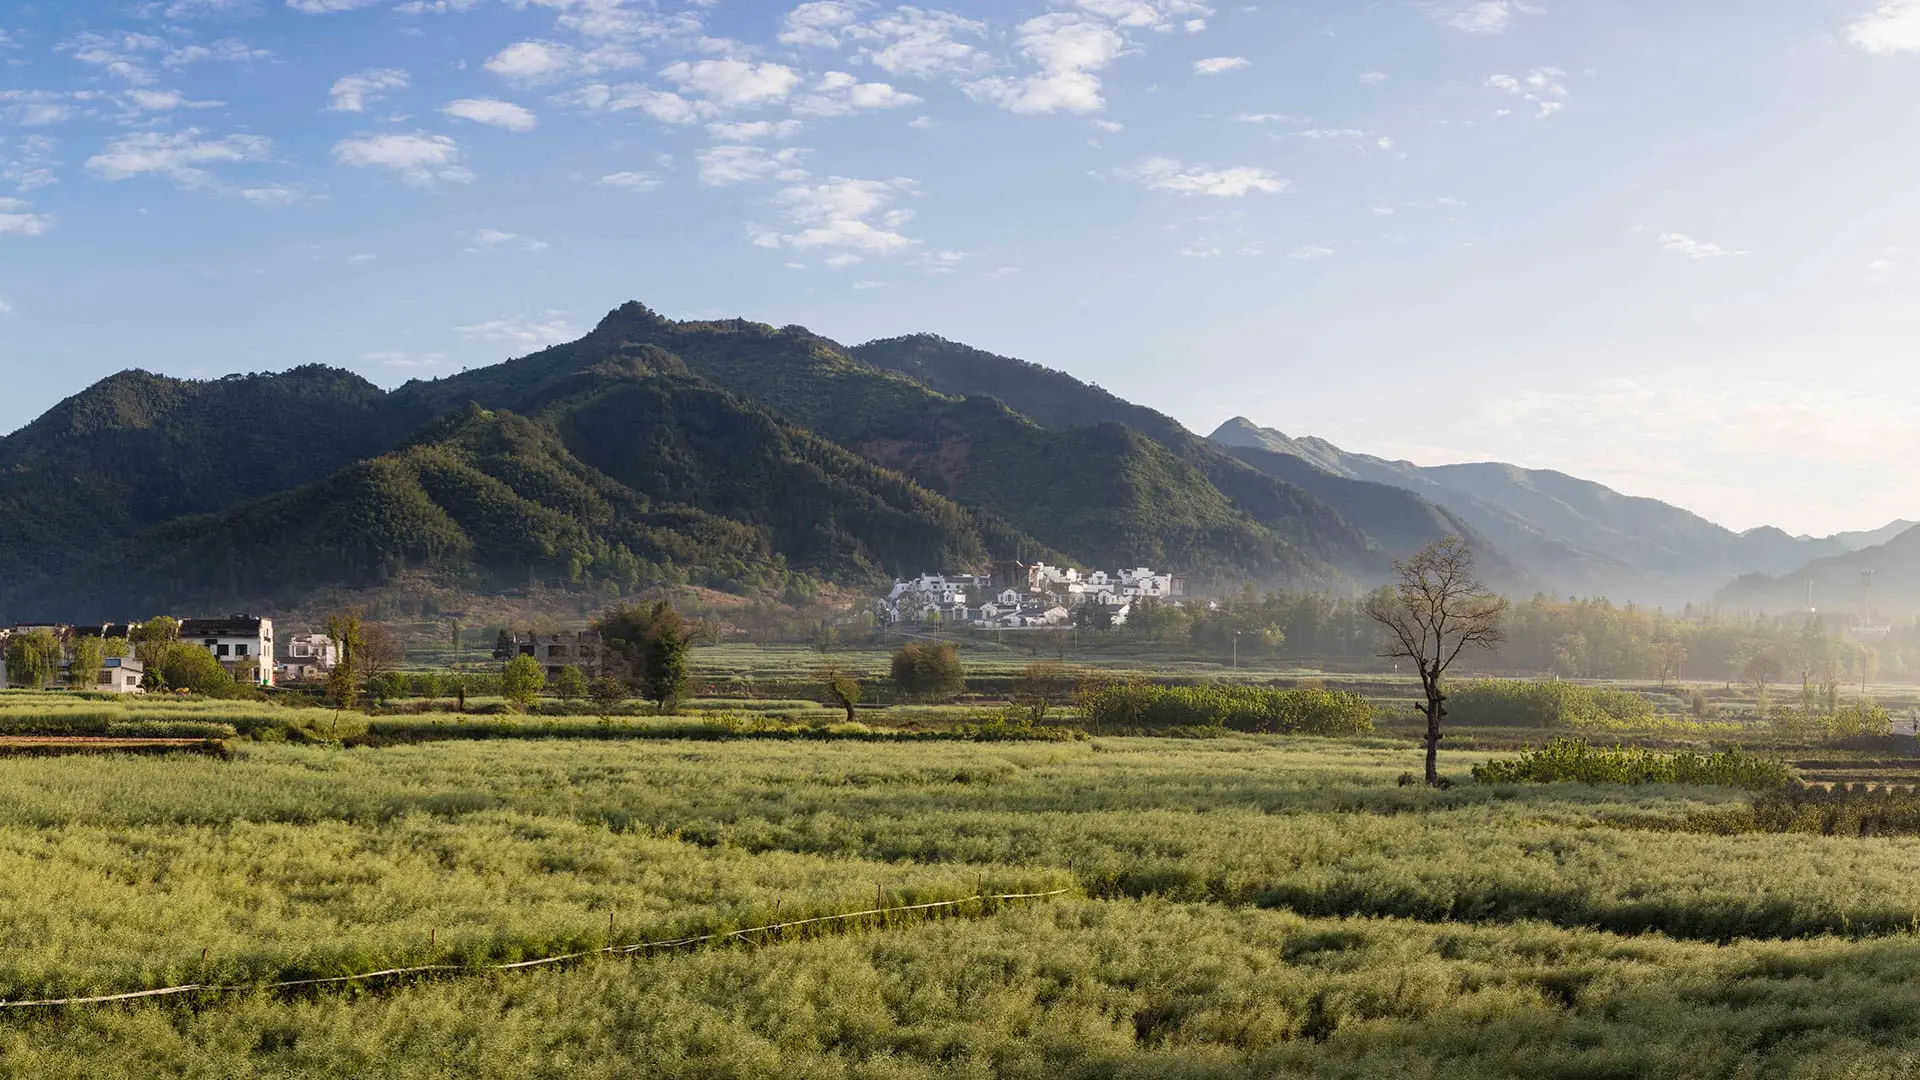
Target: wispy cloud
{"points": [[353, 93], [1477, 16], [493, 112], [181, 157], [419, 158], [1682, 244], [1167, 174], [1542, 86], [1215, 65]]}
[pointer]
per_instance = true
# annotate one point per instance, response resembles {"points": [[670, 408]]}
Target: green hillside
{"points": [[1094, 498]]}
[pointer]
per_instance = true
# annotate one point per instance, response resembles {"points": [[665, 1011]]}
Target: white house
{"points": [[120, 675], [242, 643]]}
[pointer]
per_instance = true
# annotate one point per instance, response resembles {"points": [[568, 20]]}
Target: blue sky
{"points": [[1671, 247]]}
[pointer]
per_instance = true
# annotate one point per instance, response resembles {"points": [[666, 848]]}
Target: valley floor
{"points": [[1237, 907]]}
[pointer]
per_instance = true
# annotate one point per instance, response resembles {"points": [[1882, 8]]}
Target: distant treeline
{"points": [[1568, 638]]}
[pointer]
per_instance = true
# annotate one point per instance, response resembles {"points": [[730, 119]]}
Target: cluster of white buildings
{"points": [[243, 644], [1021, 596]]}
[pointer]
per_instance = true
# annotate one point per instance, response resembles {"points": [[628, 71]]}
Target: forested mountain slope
{"points": [[1837, 582]]}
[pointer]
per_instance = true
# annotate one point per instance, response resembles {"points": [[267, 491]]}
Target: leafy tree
{"points": [[521, 681], [86, 655], [33, 658], [571, 684], [607, 693], [1760, 672], [192, 667], [115, 647], [1438, 608], [843, 686], [928, 669], [345, 631], [666, 658], [503, 645], [390, 686], [152, 641]]}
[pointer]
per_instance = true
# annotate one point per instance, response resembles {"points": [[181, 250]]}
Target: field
{"points": [[1243, 906]]}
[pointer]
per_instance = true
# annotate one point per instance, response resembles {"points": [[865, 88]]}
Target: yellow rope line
{"points": [[610, 950]]}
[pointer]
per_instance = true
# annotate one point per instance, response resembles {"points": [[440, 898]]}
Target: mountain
{"points": [[1395, 521], [616, 471], [725, 452], [1576, 535], [1099, 491], [1836, 581]]}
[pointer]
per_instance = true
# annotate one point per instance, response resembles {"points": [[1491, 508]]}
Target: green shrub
{"points": [[1149, 708], [1545, 704], [1574, 760]]}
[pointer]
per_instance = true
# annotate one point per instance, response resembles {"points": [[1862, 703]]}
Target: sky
{"points": [[1674, 248]]}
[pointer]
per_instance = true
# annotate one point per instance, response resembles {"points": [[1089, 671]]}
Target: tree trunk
{"points": [[1433, 742]]}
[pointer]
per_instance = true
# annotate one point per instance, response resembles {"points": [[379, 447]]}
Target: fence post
{"points": [[203, 966]]}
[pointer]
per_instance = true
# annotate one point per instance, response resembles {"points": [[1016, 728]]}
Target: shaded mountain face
{"points": [[1835, 583], [1575, 535]]}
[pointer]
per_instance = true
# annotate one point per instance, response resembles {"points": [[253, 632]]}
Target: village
{"points": [[244, 647], [1014, 595]]}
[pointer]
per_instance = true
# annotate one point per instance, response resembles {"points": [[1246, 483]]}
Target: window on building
{"points": [[221, 650], [106, 677], [239, 650]]}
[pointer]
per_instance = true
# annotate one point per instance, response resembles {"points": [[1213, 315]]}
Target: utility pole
{"points": [[1236, 650]]}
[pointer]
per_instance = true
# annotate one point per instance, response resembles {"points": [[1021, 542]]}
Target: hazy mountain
{"points": [[1576, 535], [1837, 581]]}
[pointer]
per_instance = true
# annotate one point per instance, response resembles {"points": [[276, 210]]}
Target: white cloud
{"points": [[6, 306], [226, 50], [118, 55], [838, 93], [420, 159], [1144, 14], [630, 181], [492, 112], [1215, 65], [722, 165], [907, 41], [1477, 16], [1200, 249], [1682, 244], [1542, 86], [272, 195], [848, 218], [1068, 49], [179, 157], [1892, 27], [747, 130], [921, 123], [489, 239], [1373, 78], [328, 7], [1267, 118], [1111, 127], [1166, 174], [550, 331], [819, 23], [733, 83], [16, 221], [1310, 253], [663, 105], [923, 44], [353, 93], [538, 61]]}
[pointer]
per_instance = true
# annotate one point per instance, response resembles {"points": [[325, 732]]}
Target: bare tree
{"points": [[1437, 609]]}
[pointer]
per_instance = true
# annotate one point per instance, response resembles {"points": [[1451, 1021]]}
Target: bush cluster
{"points": [[1148, 708], [1574, 760], [1545, 703]]}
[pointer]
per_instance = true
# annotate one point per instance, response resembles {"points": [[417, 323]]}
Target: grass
{"points": [[1243, 906]]}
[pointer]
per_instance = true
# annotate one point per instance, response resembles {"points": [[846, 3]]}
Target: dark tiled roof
{"points": [[231, 626]]}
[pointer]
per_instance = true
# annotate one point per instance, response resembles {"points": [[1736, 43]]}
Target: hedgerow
{"points": [[1545, 703], [1574, 760], [1142, 707]]}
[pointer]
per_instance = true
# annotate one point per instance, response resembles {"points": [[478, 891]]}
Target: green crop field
{"points": [[1242, 906]]}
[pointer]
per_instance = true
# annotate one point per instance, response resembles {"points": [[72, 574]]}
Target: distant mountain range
{"points": [[757, 459], [1583, 538]]}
